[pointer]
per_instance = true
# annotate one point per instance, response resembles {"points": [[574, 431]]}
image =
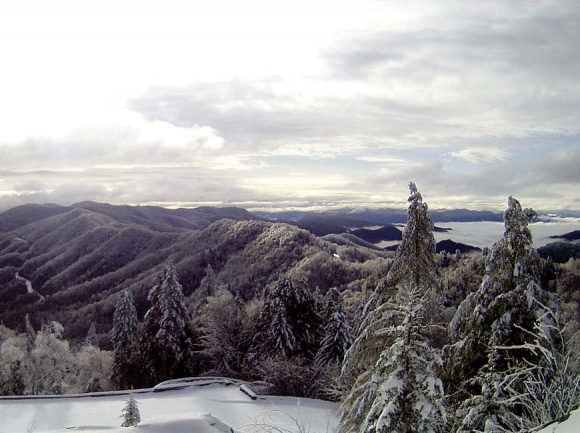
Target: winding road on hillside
{"points": [[29, 287]]}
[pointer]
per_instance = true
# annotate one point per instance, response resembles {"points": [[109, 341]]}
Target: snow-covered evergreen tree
{"points": [[379, 400], [166, 337], [174, 317], [288, 323], [401, 393], [338, 334], [209, 284], [417, 251], [415, 257], [208, 287], [503, 312], [280, 332], [131, 416], [91, 339], [124, 339]]}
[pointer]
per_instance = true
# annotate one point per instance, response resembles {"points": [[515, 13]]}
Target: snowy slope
{"points": [[571, 425], [168, 411]]}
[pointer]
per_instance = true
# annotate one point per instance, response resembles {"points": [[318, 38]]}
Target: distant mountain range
{"points": [[358, 218], [151, 217], [68, 263]]}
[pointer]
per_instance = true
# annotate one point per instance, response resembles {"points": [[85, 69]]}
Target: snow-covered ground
{"points": [[571, 425], [210, 406]]}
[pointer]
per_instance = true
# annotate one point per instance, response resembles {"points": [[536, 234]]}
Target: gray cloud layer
{"points": [[476, 102]]}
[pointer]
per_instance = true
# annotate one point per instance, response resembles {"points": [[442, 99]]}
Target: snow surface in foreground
{"points": [[571, 425], [177, 423], [207, 408]]}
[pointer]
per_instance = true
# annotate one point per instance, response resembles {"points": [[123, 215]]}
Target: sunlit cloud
{"points": [[227, 102], [478, 155]]}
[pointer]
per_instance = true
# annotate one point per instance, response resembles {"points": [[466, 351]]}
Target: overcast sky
{"points": [[290, 104]]}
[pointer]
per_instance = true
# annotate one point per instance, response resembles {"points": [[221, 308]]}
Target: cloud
{"points": [[290, 118], [457, 74], [139, 185], [359, 107], [386, 160], [491, 73], [559, 167], [147, 143], [478, 155]]}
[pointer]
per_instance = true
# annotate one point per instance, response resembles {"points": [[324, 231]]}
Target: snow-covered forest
{"points": [[418, 341]]}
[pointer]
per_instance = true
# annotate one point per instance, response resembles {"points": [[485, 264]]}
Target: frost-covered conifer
{"points": [[131, 416], [166, 322], [502, 313], [288, 323], [124, 339], [338, 334], [172, 323], [401, 392], [396, 388], [280, 332], [551, 390], [208, 286], [416, 252], [415, 257], [91, 339]]}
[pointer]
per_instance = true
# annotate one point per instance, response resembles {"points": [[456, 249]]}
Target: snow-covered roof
{"points": [[201, 406]]}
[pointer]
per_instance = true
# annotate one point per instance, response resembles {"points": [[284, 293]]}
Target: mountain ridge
{"points": [[80, 257]]}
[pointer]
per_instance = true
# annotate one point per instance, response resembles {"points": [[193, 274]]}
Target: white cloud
{"points": [[478, 155], [232, 95], [390, 161], [138, 143]]}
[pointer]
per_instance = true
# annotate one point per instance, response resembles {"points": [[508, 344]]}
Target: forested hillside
{"points": [[77, 259], [96, 297]]}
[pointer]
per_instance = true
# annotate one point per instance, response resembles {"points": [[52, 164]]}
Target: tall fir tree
{"points": [[493, 326], [92, 339], [125, 339], [415, 257], [337, 335], [288, 324], [408, 396], [396, 389], [416, 251], [166, 340], [207, 287]]}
